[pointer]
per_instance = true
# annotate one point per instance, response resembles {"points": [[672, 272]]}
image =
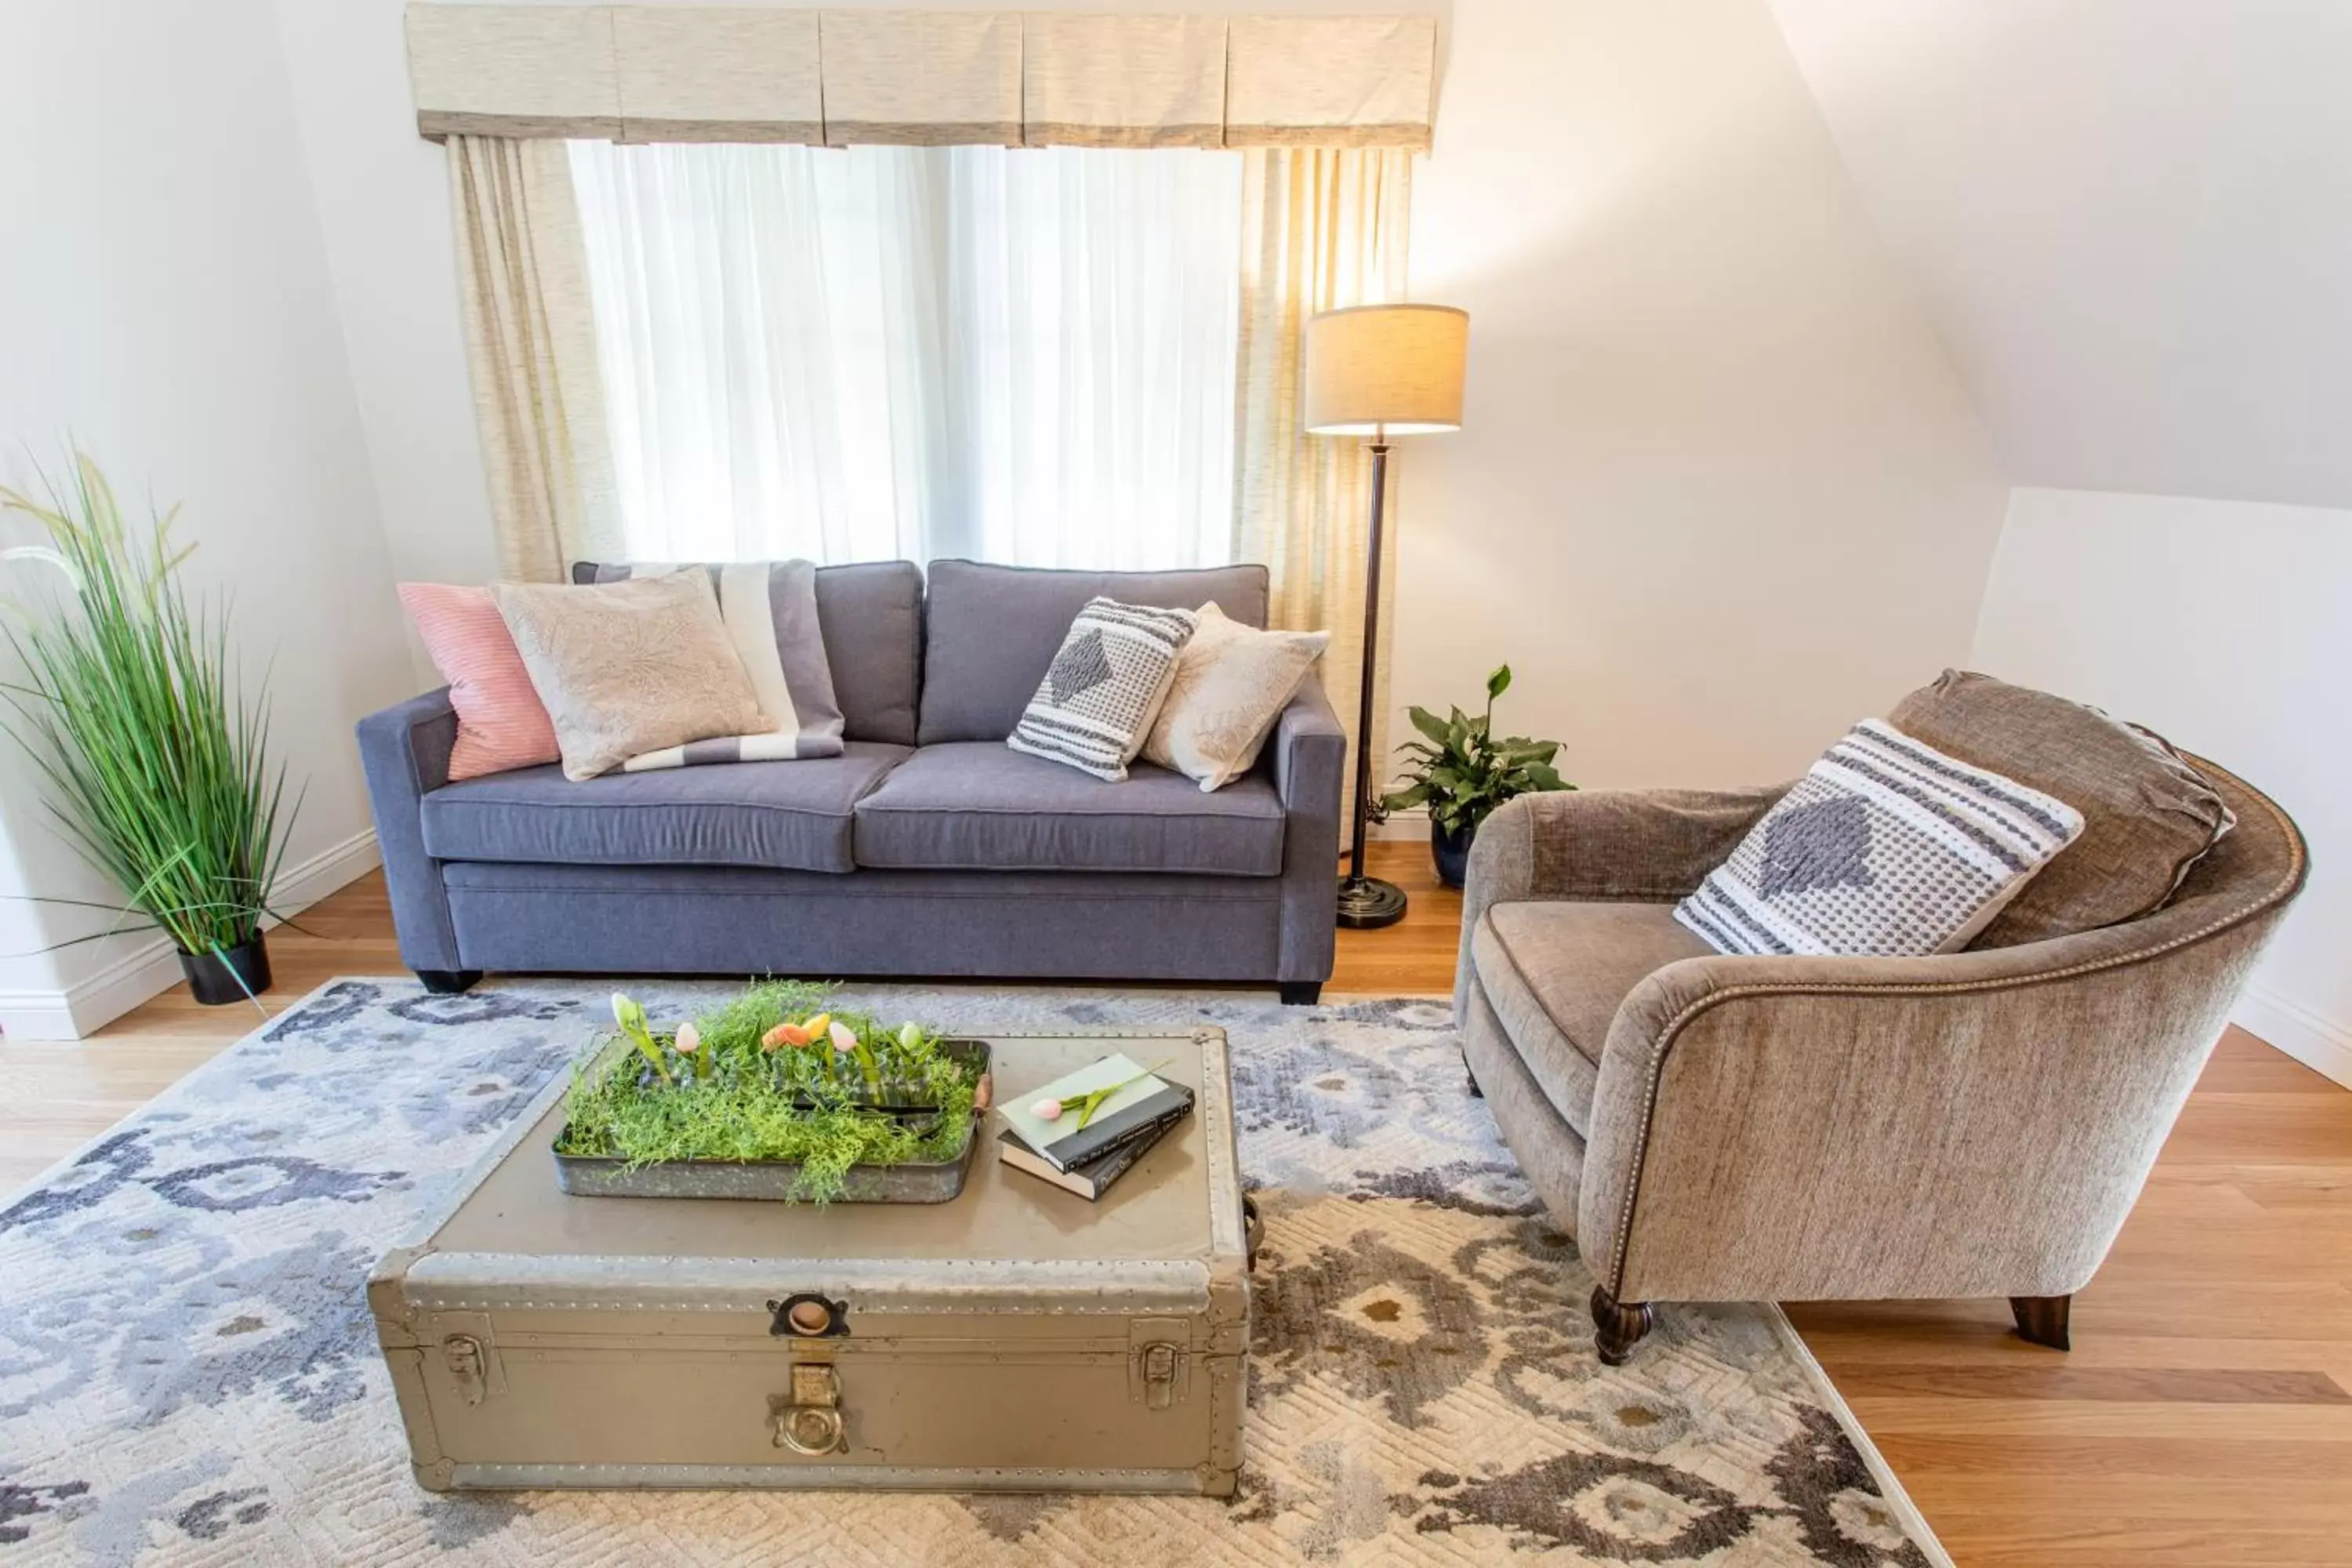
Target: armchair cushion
{"points": [[1555, 972], [1646, 847], [2147, 814]]}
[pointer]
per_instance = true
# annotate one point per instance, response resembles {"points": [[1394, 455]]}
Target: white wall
{"points": [[1718, 492], [2222, 626], [2129, 219], [164, 298]]}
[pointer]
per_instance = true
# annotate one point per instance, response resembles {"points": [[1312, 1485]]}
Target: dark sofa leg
{"points": [[448, 981], [1472, 1074], [2042, 1320], [1299, 993], [1616, 1328]]}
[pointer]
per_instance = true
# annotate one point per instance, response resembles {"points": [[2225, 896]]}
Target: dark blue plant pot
{"points": [[1452, 853]]}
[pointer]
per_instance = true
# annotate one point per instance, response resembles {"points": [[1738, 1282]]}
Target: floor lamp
{"points": [[1380, 371]]}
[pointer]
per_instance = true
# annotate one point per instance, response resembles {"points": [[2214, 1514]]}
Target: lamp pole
{"points": [[1365, 902]]}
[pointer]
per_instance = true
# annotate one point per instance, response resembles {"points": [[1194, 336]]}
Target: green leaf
{"points": [[1498, 682], [1429, 724]]}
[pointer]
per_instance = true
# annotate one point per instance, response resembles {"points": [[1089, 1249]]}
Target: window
{"points": [[1020, 355]]}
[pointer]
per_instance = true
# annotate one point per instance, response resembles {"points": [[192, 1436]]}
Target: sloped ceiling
{"points": [[2131, 221]]}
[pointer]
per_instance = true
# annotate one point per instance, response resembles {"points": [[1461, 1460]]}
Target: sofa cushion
{"points": [[2148, 815], [992, 631], [1555, 973], [792, 816], [979, 806], [872, 616]]}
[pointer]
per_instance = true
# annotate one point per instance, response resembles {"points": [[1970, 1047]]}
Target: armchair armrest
{"points": [[1974, 1124], [404, 750], [1650, 847]]}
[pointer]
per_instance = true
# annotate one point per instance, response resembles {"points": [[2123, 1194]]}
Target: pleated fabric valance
{"points": [[847, 78]]}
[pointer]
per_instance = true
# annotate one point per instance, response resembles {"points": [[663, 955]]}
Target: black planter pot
{"points": [[232, 975], [1452, 853]]}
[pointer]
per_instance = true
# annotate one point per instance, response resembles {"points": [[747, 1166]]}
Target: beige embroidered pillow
{"points": [[630, 668], [1232, 683]]}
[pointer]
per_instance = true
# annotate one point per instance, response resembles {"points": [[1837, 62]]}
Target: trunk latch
{"points": [[1155, 1349], [1163, 1364], [468, 1366], [809, 1421], [470, 1353]]}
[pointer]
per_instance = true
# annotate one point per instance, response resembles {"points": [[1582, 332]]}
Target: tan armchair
{"points": [[1712, 1128]]}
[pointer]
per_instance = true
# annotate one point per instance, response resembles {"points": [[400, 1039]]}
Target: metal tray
{"points": [[610, 1177]]}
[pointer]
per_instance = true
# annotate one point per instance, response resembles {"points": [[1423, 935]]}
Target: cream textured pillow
{"points": [[1232, 683], [630, 668]]}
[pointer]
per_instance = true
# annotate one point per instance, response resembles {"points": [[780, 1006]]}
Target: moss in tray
{"points": [[771, 1076]]}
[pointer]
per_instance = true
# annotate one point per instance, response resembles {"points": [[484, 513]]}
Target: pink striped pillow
{"points": [[502, 723]]}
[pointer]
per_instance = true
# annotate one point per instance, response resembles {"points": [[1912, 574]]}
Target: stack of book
{"points": [[1087, 1146]]}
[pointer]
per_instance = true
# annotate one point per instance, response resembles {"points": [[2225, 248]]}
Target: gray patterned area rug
{"points": [[188, 1373]]}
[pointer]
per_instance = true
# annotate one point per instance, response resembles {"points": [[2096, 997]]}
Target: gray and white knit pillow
{"points": [[1103, 687], [1886, 848], [769, 609]]}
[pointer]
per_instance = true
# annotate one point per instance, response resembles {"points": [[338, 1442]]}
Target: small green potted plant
{"points": [[774, 1094], [157, 767], [1461, 772]]}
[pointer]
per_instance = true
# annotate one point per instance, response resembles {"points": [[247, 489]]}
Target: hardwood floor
{"points": [[2203, 1419]]}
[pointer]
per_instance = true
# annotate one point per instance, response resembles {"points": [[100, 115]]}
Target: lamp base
{"points": [[1367, 902]]}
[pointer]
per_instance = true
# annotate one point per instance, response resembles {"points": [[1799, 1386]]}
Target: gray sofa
{"points": [[928, 848]]}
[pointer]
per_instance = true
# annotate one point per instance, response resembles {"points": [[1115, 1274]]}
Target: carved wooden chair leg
{"points": [[2042, 1320], [1616, 1328]]}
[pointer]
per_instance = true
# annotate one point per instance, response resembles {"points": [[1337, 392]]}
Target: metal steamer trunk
{"points": [[1016, 1339]]}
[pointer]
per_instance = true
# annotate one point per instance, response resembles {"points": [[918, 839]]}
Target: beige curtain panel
{"points": [[920, 78], [514, 70], [1321, 227], [656, 73], [1122, 82], [531, 349], [1329, 82], [736, 74]]}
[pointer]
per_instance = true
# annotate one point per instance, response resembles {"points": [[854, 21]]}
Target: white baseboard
{"points": [[1411, 823], [152, 967], [2320, 1043]]}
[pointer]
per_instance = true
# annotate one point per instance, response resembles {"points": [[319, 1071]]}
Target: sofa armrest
{"points": [[1975, 1124], [404, 750], [1309, 749], [1309, 755], [1651, 847]]}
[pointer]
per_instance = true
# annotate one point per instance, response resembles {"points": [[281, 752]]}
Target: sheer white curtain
{"points": [[1019, 356]]}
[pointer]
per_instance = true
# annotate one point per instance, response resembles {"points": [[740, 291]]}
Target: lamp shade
{"points": [[1385, 370]]}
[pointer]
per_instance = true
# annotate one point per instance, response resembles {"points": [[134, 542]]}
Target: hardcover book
{"points": [[1061, 1142], [1092, 1178]]}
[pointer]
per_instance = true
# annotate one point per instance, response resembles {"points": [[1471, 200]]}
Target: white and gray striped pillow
{"points": [[1103, 687], [1886, 848], [770, 611]]}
